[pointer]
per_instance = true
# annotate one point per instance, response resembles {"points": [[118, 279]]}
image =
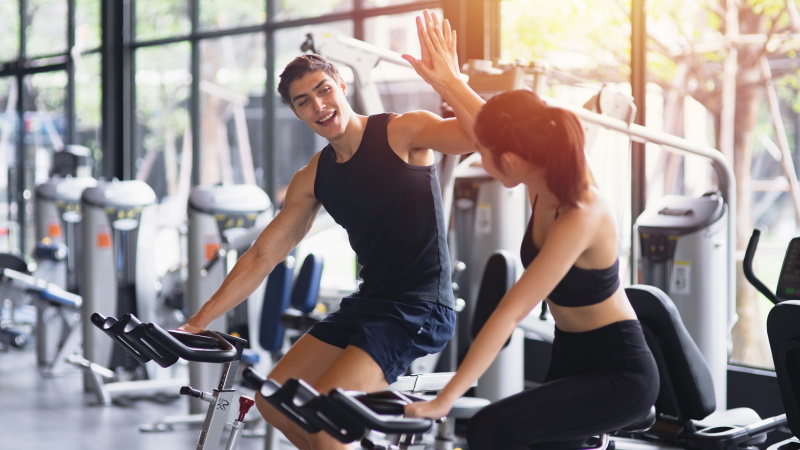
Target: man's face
{"points": [[319, 101]]}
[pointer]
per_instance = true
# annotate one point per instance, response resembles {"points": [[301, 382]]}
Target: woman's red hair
{"points": [[551, 138]]}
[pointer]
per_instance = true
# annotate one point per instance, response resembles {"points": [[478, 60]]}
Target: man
{"points": [[376, 178]]}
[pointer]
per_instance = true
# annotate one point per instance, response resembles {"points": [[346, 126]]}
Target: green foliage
{"points": [[162, 18], [162, 89], [46, 31], [87, 17], [88, 91], [788, 87], [296, 9], [9, 24], [768, 7], [557, 31], [221, 14]]}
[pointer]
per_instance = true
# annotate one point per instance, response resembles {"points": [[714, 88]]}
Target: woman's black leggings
{"points": [[598, 381]]}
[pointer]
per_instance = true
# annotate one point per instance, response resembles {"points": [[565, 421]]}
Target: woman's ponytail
{"points": [[565, 162]]}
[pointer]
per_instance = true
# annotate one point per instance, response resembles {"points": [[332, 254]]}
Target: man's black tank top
{"points": [[392, 212]]}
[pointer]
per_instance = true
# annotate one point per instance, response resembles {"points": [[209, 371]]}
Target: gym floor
{"points": [[38, 413]]}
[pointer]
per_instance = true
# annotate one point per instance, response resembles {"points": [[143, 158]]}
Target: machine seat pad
{"points": [[250, 357], [643, 424], [731, 417], [465, 407], [305, 291], [297, 320]]}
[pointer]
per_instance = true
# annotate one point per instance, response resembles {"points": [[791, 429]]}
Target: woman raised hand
{"points": [[438, 63]]}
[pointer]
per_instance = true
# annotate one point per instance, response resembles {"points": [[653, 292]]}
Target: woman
{"points": [[602, 375]]}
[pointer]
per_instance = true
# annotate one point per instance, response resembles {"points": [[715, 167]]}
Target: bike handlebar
{"points": [[747, 267], [381, 411], [345, 415], [148, 341]]}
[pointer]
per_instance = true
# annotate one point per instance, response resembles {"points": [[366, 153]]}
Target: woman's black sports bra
{"points": [[579, 287]]}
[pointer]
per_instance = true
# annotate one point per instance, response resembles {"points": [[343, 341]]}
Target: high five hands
{"points": [[438, 64]]}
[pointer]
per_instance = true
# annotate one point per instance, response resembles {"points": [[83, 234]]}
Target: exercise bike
{"points": [[148, 341]]}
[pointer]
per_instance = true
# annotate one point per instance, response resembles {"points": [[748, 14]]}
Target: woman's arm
{"points": [[567, 239], [439, 67]]}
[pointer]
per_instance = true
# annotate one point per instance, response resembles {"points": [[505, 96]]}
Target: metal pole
{"points": [[194, 98], [638, 88], [69, 101]]}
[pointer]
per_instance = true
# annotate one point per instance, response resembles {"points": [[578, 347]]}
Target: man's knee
{"points": [[269, 413]]}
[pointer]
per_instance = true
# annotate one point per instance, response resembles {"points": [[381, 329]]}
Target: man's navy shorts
{"points": [[393, 333]]}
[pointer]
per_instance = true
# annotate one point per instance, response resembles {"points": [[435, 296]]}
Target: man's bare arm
{"points": [[272, 246], [422, 130]]}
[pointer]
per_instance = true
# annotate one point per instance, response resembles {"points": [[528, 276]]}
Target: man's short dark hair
{"points": [[300, 67]]}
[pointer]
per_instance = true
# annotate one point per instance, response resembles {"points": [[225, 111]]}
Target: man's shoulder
{"points": [[306, 175], [412, 117], [310, 169]]}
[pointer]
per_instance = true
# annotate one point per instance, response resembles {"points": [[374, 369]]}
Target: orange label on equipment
{"points": [[103, 240], [211, 250], [54, 230]]}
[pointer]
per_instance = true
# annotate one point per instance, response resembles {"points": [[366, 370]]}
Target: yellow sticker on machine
{"points": [[681, 278]]}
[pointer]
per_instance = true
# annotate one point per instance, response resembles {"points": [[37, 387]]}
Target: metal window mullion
{"points": [[23, 25], [19, 198], [270, 172], [128, 89], [638, 87], [358, 20], [194, 95], [69, 100], [20, 163]]}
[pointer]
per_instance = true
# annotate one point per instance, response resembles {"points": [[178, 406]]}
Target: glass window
{"points": [[163, 138], [45, 120], [567, 35], [292, 9], [87, 24], [45, 129], [8, 140], [88, 114], [162, 18], [9, 38], [233, 77], [382, 3], [223, 14], [47, 32]]}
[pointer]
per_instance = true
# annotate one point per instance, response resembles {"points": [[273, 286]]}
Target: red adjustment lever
{"points": [[245, 403]]}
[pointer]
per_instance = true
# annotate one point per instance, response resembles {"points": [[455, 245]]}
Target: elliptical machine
{"points": [[223, 223], [118, 275], [783, 331], [58, 252]]}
